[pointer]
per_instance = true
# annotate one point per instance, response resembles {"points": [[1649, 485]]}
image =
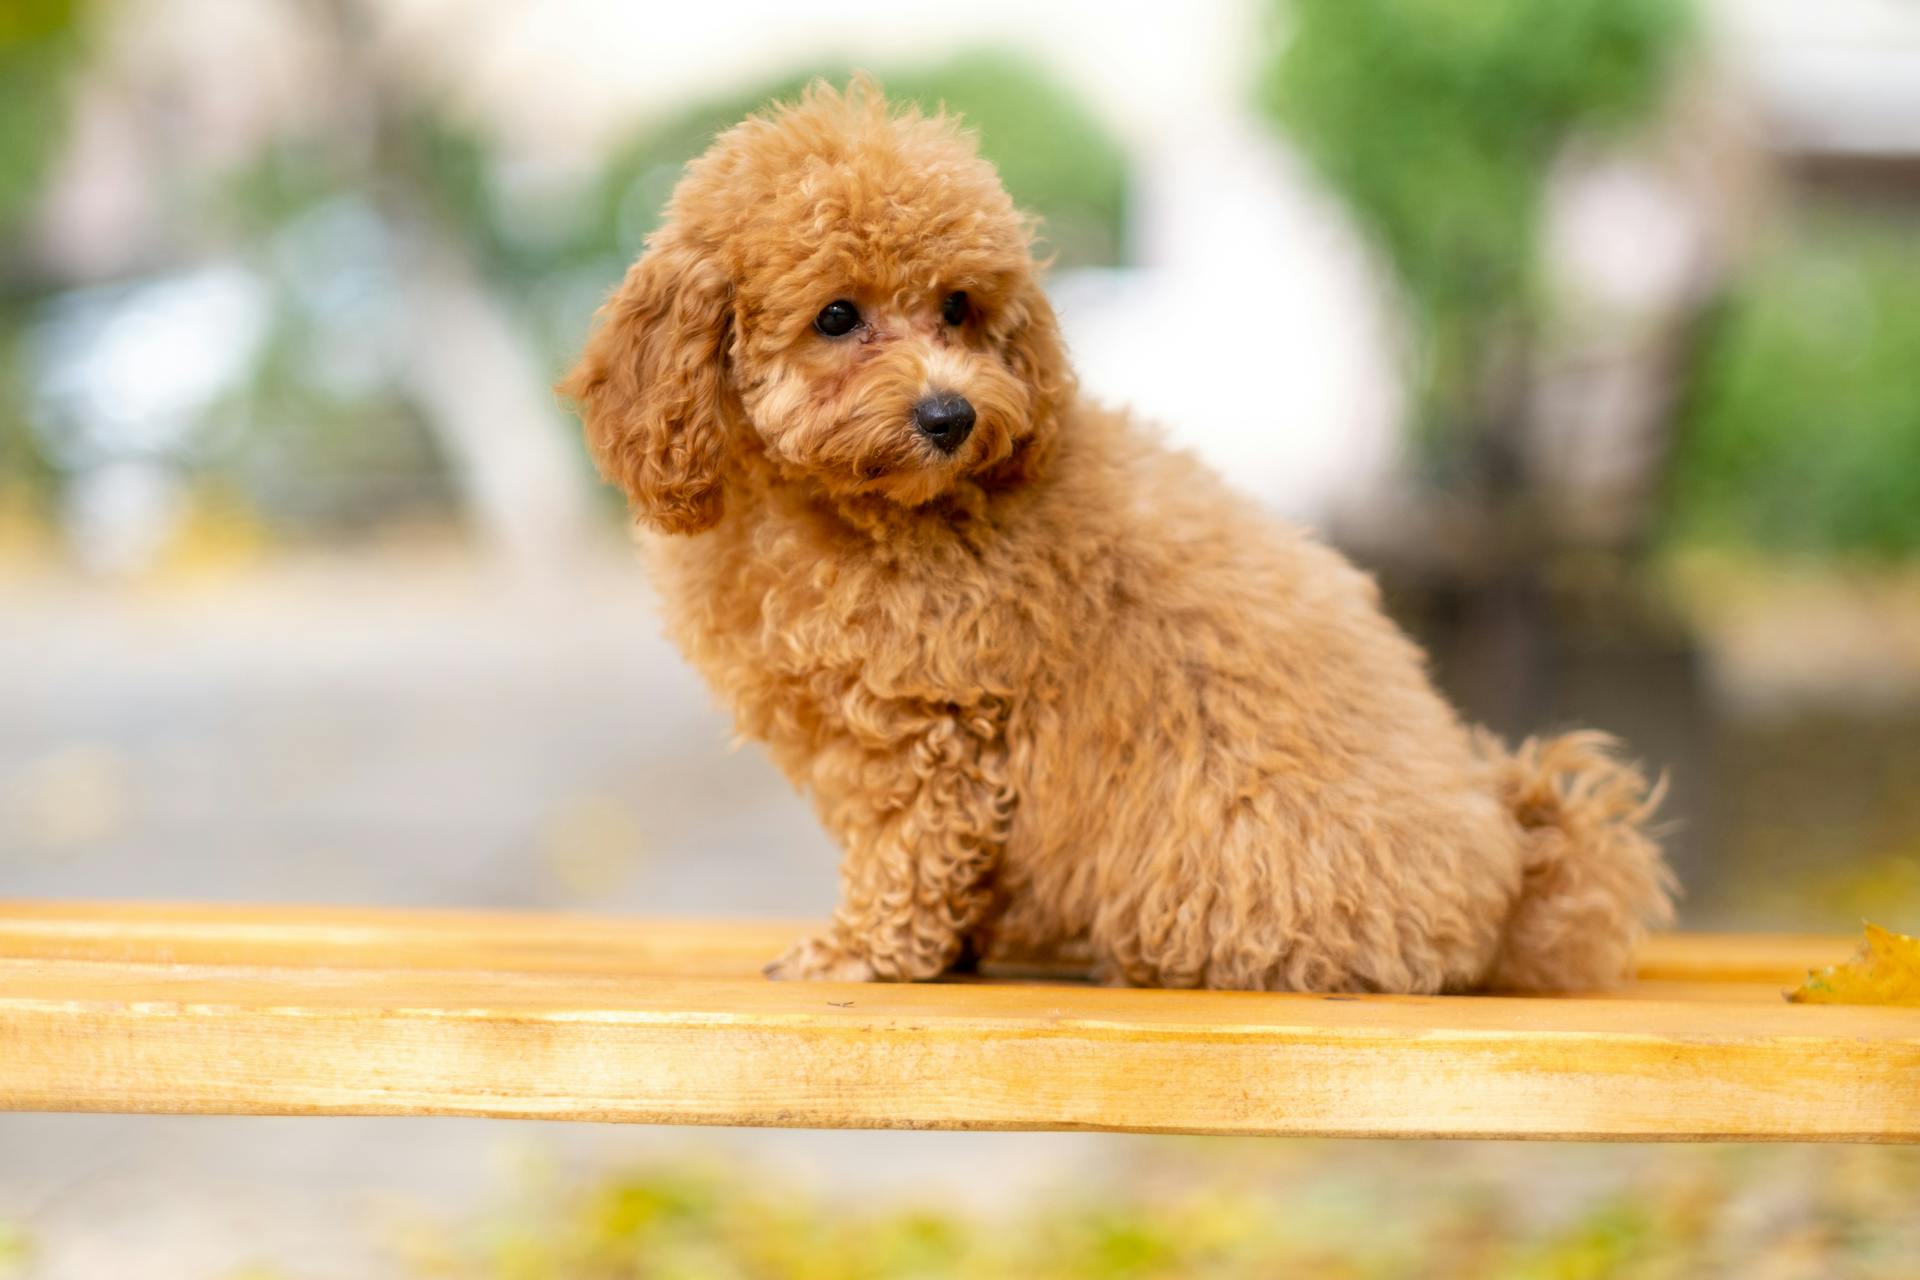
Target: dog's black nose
{"points": [[946, 420]]}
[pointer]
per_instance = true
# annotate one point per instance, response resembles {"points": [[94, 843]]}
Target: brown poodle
{"points": [[1054, 688]]}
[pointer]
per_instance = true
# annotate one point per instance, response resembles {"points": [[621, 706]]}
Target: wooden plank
{"points": [[388, 938], [349, 1012], [553, 942]]}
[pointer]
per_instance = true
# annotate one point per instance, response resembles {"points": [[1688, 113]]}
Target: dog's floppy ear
{"points": [[652, 387], [1036, 354]]}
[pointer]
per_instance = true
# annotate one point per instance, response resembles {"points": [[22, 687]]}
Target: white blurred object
{"points": [[1640, 237], [123, 378], [119, 517], [486, 398], [1255, 331], [1838, 76], [1630, 254], [130, 370], [1622, 235]]}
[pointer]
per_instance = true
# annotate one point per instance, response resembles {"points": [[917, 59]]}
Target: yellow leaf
{"points": [[1887, 971]]}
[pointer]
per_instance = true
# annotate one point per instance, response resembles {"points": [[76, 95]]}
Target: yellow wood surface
{"points": [[318, 1011]]}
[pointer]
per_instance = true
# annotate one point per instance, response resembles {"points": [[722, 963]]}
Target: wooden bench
{"points": [[310, 1011]]}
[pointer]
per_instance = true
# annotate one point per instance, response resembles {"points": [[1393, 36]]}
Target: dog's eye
{"points": [[955, 309], [837, 319]]}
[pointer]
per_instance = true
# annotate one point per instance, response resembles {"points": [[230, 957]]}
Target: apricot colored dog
{"points": [[1053, 687]]}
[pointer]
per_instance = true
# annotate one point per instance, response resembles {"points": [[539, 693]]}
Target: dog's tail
{"points": [[1594, 881]]}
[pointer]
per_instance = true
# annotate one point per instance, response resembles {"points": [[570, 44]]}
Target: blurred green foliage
{"points": [[40, 41], [1223, 1211], [25, 472], [1803, 433], [1438, 122]]}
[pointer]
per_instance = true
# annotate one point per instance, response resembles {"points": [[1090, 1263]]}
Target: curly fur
{"points": [[1062, 690]]}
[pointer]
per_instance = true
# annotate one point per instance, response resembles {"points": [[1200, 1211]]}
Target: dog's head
{"points": [[842, 288]]}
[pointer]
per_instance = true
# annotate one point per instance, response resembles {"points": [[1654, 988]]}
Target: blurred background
{"points": [[1593, 327]]}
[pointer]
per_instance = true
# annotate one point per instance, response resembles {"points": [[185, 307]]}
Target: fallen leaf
{"points": [[1887, 971]]}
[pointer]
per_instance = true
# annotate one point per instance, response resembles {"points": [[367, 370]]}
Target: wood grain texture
{"points": [[311, 1011]]}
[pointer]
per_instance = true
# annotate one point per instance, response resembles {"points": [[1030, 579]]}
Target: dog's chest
{"points": [[797, 637]]}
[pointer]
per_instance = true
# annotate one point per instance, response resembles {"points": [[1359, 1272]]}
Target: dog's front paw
{"points": [[819, 959]]}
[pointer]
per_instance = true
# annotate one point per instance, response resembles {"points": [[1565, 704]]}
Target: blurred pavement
{"points": [[419, 733]]}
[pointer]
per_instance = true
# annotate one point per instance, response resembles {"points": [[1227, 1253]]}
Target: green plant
{"points": [[1222, 1211], [39, 43], [1437, 122], [1804, 429]]}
